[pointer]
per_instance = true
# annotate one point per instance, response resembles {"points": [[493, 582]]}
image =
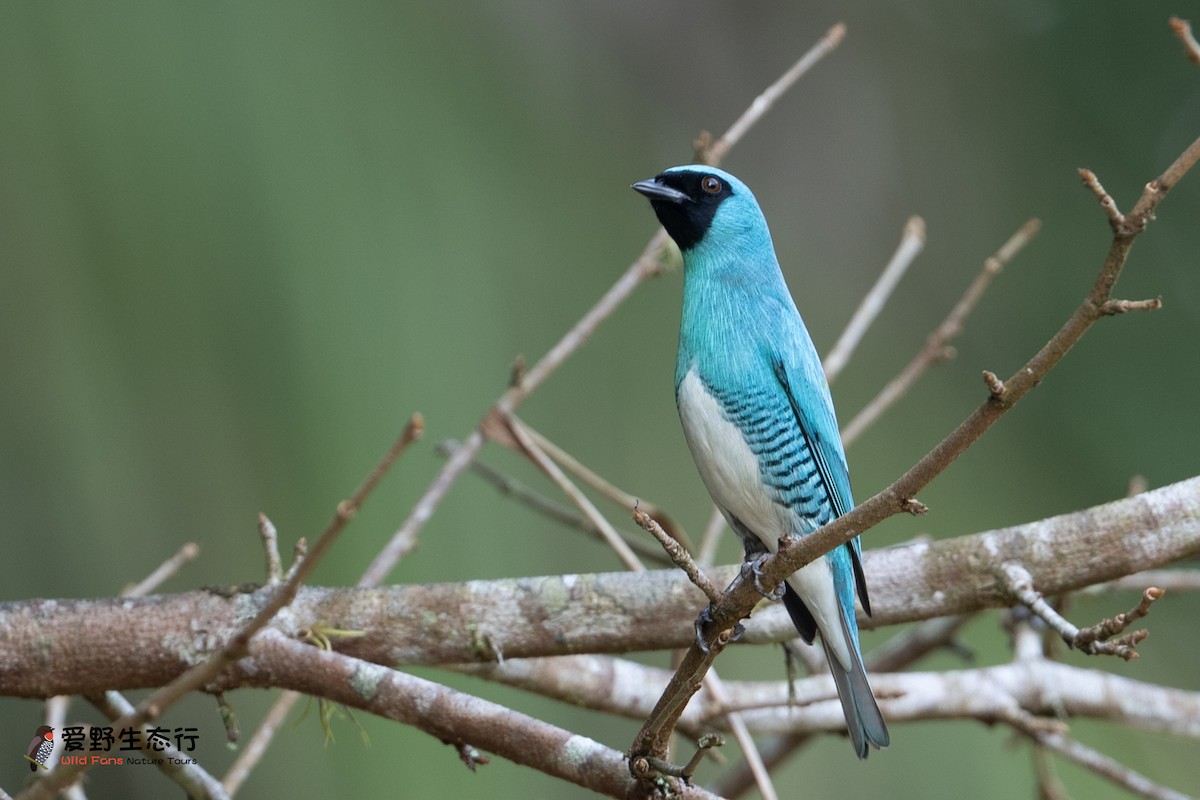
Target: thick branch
{"points": [[619, 686], [87, 646], [451, 716]]}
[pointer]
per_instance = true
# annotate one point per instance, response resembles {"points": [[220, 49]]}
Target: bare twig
{"points": [[1125, 306], [911, 243], [1056, 741], [56, 718], [1115, 217], [712, 533], [1169, 580], [1095, 637], [1183, 30], [1049, 785], [762, 778], [270, 541], [256, 748], [936, 346], [169, 760], [404, 539], [299, 553], [715, 153], [166, 570], [894, 655], [538, 502], [614, 539], [609, 490], [677, 553], [1093, 640]]}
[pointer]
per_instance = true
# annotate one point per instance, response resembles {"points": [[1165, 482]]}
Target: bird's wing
{"points": [[821, 468]]}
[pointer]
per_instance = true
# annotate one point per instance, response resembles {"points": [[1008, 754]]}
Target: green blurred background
{"points": [[241, 243]]}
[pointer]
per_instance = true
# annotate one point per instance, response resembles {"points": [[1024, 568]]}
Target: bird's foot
{"points": [[753, 568], [705, 618]]}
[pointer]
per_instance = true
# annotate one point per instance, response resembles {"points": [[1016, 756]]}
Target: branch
{"points": [[198, 784], [937, 344], [87, 646], [713, 154], [1093, 640], [1183, 31], [1058, 742], [911, 244], [451, 716]]}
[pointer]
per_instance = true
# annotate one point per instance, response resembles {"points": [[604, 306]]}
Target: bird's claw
{"points": [[704, 618], [753, 568]]}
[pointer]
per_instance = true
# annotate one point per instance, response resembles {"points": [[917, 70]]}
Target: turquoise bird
{"points": [[758, 417]]}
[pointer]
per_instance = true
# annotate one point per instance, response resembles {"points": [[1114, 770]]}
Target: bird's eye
{"points": [[711, 184]]}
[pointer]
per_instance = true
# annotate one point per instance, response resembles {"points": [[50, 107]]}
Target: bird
{"points": [[758, 417], [40, 747]]}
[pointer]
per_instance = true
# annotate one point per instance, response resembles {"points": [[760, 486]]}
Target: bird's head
{"points": [[698, 204]]}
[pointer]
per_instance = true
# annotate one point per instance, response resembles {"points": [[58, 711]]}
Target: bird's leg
{"points": [[753, 567], [704, 619]]}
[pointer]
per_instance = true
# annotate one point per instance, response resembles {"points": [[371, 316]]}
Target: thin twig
{"points": [[712, 533], [1125, 306], [1049, 786], [1169, 580], [1093, 640], [56, 718], [737, 726], [917, 642], [936, 346], [171, 762], [165, 571], [256, 748], [715, 153], [1054, 740], [605, 487], [911, 243], [270, 542], [510, 487], [611, 537], [404, 539], [894, 655], [1115, 217], [1183, 30], [677, 553]]}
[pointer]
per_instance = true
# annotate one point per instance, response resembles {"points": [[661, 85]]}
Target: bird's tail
{"points": [[863, 719]]}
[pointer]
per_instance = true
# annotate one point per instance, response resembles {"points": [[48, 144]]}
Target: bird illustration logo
{"points": [[40, 747], [758, 417]]}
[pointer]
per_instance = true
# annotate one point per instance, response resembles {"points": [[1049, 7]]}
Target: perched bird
{"points": [[40, 747], [758, 417]]}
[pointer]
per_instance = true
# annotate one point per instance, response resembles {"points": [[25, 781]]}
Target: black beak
{"points": [[657, 191]]}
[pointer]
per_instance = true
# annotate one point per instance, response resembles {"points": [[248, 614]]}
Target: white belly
{"points": [[729, 469]]}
